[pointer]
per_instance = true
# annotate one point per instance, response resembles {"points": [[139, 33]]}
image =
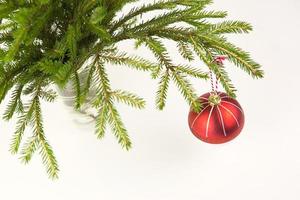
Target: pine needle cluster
{"points": [[47, 42]]}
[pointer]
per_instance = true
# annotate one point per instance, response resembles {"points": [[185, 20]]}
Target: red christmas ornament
{"points": [[221, 119]]}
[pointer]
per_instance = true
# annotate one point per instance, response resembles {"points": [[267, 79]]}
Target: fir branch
{"points": [[178, 15], [118, 127], [159, 50], [101, 121], [48, 95], [23, 121], [29, 149], [128, 98], [103, 82], [46, 151], [161, 20], [5, 9], [221, 74], [191, 71], [230, 27], [161, 94], [19, 37], [207, 14], [223, 77], [186, 90], [48, 157], [174, 33], [98, 15], [5, 26], [236, 55], [23, 17], [72, 36], [185, 51], [113, 6], [77, 88], [33, 114], [131, 61], [14, 103], [85, 6], [38, 25], [30, 88], [113, 117], [62, 74], [142, 10], [4, 89], [100, 31]]}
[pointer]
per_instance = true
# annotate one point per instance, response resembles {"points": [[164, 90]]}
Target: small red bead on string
{"points": [[220, 59]]}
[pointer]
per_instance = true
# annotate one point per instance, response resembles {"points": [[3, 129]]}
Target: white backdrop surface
{"points": [[167, 162]]}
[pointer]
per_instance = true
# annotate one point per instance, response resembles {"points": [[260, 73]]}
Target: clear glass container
{"points": [[68, 96]]}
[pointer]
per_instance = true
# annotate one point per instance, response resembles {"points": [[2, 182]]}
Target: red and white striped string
{"points": [[219, 60]]}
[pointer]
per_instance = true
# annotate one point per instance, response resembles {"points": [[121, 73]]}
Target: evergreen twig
{"points": [[45, 43]]}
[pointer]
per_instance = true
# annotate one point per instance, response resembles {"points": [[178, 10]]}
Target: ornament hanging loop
{"points": [[219, 61], [212, 82]]}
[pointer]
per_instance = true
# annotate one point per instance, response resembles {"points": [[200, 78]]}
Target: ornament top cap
{"points": [[214, 99]]}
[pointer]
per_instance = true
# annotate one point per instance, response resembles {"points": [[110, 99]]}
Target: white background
{"points": [[167, 162]]}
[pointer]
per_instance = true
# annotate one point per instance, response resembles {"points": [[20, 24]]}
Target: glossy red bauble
{"points": [[220, 120]]}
